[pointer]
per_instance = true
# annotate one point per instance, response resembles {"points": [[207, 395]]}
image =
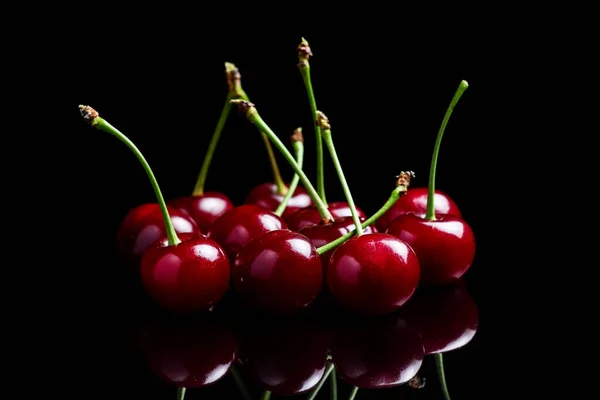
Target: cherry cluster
{"points": [[286, 244]]}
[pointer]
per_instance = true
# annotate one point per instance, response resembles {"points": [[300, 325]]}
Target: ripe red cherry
{"points": [[377, 354], [266, 195], [445, 246], [238, 226], [310, 215], [204, 209], [415, 201], [189, 277], [189, 354], [143, 226], [278, 272], [373, 273]]}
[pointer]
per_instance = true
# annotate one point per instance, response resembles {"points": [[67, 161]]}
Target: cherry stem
{"points": [[304, 53], [353, 393], [240, 383], [323, 123], [333, 385], [249, 110], [282, 188], [401, 187], [315, 390], [180, 393], [266, 395], [430, 210], [91, 116], [439, 366], [298, 144]]}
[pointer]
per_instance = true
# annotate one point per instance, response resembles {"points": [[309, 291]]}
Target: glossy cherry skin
{"points": [[189, 354], [445, 246], [265, 195], [310, 215], [447, 317], [373, 273], [377, 354], [279, 272], [186, 278], [238, 226], [143, 226], [204, 209], [321, 234], [415, 201], [285, 356]]}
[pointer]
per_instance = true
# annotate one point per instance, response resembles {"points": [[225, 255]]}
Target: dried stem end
{"points": [[323, 121], [89, 115], [234, 80], [304, 53], [403, 179], [297, 136], [244, 107]]}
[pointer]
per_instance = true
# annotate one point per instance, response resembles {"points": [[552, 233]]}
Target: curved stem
{"points": [[315, 391], [333, 385], [239, 382], [323, 122], [430, 210], [304, 53], [253, 116], [299, 150], [266, 395], [92, 117], [353, 393], [199, 187], [180, 393], [439, 366], [396, 193]]}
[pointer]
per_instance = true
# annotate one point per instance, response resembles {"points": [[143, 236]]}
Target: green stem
{"points": [[282, 188], [266, 395], [439, 366], [240, 383], [180, 393], [323, 123], [253, 116], [199, 188], [333, 384], [399, 190], [430, 210], [304, 53], [298, 144], [315, 390], [91, 116], [353, 393]]}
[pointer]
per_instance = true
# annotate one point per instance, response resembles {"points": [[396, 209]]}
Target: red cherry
{"points": [[415, 201], [377, 354], [310, 215], [279, 272], [238, 226], [445, 246], [284, 356], [204, 209], [188, 277], [190, 355], [447, 317], [143, 226], [373, 273], [267, 196]]}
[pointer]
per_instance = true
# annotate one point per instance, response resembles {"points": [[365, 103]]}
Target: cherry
{"points": [[203, 207], [278, 272], [184, 274], [415, 201], [380, 353], [308, 216], [268, 196], [445, 244]]}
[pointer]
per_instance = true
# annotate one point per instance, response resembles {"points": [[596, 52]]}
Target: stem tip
{"points": [[89, 114], [234, 80], [304, 53], [297, 136], [464, 84], [245, 107], [403, 178], [323, 121]]}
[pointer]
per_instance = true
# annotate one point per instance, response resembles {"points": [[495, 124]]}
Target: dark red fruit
{"points": [[189, 354], [373, 273], [143, 226], [189, 277], [203, 209], [265, 195], [377, 354], [415, 201], [279, 272], [286, 357], [310, 215], [445, 246], [447, 317], [238, 226]]}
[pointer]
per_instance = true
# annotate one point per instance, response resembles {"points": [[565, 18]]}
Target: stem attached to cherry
{"points": [[298, 144], [402, 184], [249, 110], [315, 391], [353, 393], [304, 53], [92, 117], [430, 211], [266, 395], [323, 123], [439, 366], [333, 385], [240, 383], [180, 393]]}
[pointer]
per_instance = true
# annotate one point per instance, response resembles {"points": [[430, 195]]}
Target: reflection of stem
{"points": [[180, 393], [439, 364], [353, 393], [333, 383], [266, 395], [316, 389], [240, 383]]}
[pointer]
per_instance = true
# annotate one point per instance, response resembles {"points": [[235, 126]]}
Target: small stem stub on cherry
{"points": [[403, 178], [297, 136], [89, 114], [323, 121], [304, 53]]}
